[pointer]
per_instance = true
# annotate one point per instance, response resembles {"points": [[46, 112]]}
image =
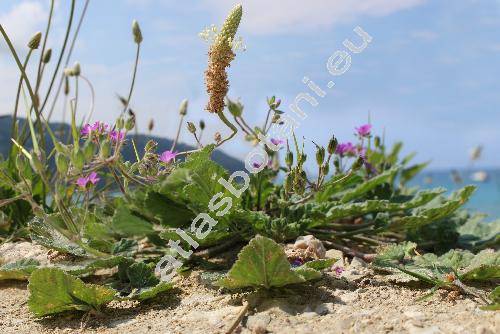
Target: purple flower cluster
{"points": [[99, 129], [91, 179], [168, 156], [364, 130], [346, 149]]}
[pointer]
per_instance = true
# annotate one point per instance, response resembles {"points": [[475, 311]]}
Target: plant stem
{"points": [[229, 125], [174, 144], [136, 63], [42, 52], [18, 95]]}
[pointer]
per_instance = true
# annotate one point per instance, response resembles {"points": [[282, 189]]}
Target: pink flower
{"points": [[338, 270], [277, 142], [116, 136], [92, 179], [257, 165], [364, 130], [167, 156], [97, 128], [346, 149]]}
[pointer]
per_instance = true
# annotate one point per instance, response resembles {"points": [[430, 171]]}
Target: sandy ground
{"points": [[358, 302]]}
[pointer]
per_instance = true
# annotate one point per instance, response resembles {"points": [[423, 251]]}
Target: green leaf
{"points": [[394, 254], [409, 173], [127, 224], [370, 206], [19, 270], [166, 211], [53, 291], [319, 264], [89, 266], [43, 233], [261, 264], [495, 300], [367, 186]]}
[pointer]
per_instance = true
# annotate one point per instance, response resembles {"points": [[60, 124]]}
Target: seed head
{"points": [[136, 31], [183, 108], [220, 57], [46, 56], [151, 125], [202, 125], [218, 137], [34, 42], [191, 127]]}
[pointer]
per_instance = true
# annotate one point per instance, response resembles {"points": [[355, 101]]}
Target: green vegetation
{"points": [[80, 198]]}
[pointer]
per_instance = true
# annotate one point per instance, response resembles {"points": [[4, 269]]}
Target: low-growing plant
{"points": [[75, 194]]}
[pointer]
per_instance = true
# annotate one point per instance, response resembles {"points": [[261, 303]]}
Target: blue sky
{"points": [[429, 77]]}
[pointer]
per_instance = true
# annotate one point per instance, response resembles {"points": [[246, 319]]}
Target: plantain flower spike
{"points": [[34, 42], [136, 31], [220, 56]]}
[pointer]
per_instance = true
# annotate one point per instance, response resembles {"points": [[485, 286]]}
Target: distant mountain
{"points": [[230, 163]]}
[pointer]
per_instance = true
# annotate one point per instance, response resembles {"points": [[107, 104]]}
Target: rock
{"points": [[348, 297], [419, 316], [258, 323], [334, 254], [312, 244], [12, 252], [358, 263], [412, 329], [324, 308]]}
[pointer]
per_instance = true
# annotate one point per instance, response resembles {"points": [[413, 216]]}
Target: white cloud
{"points": [[23, 21], [265, 16]]}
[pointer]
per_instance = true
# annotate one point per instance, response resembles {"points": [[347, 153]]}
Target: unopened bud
{"points": [[289, 159], [235, 108], [325, 169], [46, 56], [120, 123], [202, 125], [151, 125], [302, 158], [77, 69], [34, 42], [130, 123], [320, 155], [66, 85], [217, 137], [78, 159], [191, 127], [136, 31], [88, 150], [183, 108], [105, 150], [288, 184], [336, 163], [332, 145], [358, 164], [377, 141], [36, 163], [62, 164]]}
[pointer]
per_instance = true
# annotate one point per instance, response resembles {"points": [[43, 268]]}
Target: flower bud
{"points": [[62, 164], [358, 164], [78, 159], [105, 150], [183, 108], [320, 155], [120, 123], [336, 163], [377, 141], [302, 158], [36, 163], [288, 183], [46, 56], [77, 69], [332, 145], [202, 125], [289, 159], [34, 42], [130, 123], [325, 169], [218, 137], [136, 32], [151, 125], [66, 86], [88, 150], [151, 146], [235, 108], [191, 127]]}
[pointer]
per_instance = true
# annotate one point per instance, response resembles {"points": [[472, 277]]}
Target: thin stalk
{"points": [[92, 97], [174, 144], [136, 63], [59, 61], [229, 125], [267, 120], [44, 45], [18, 94]]}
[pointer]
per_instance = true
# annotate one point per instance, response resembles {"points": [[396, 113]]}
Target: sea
{"points": [[486, 199]]}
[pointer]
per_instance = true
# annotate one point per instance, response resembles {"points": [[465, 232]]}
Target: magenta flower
{"points": [[97, 128], [167, 156], [364, 130], [90, 179], [346, 149], [256, 165], [277, 142], [116, 136], [338, 270]]}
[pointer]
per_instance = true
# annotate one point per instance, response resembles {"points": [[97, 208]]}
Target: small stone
{"points": [[334, 254], [324, 308], [419, 316], [258, 323]]}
